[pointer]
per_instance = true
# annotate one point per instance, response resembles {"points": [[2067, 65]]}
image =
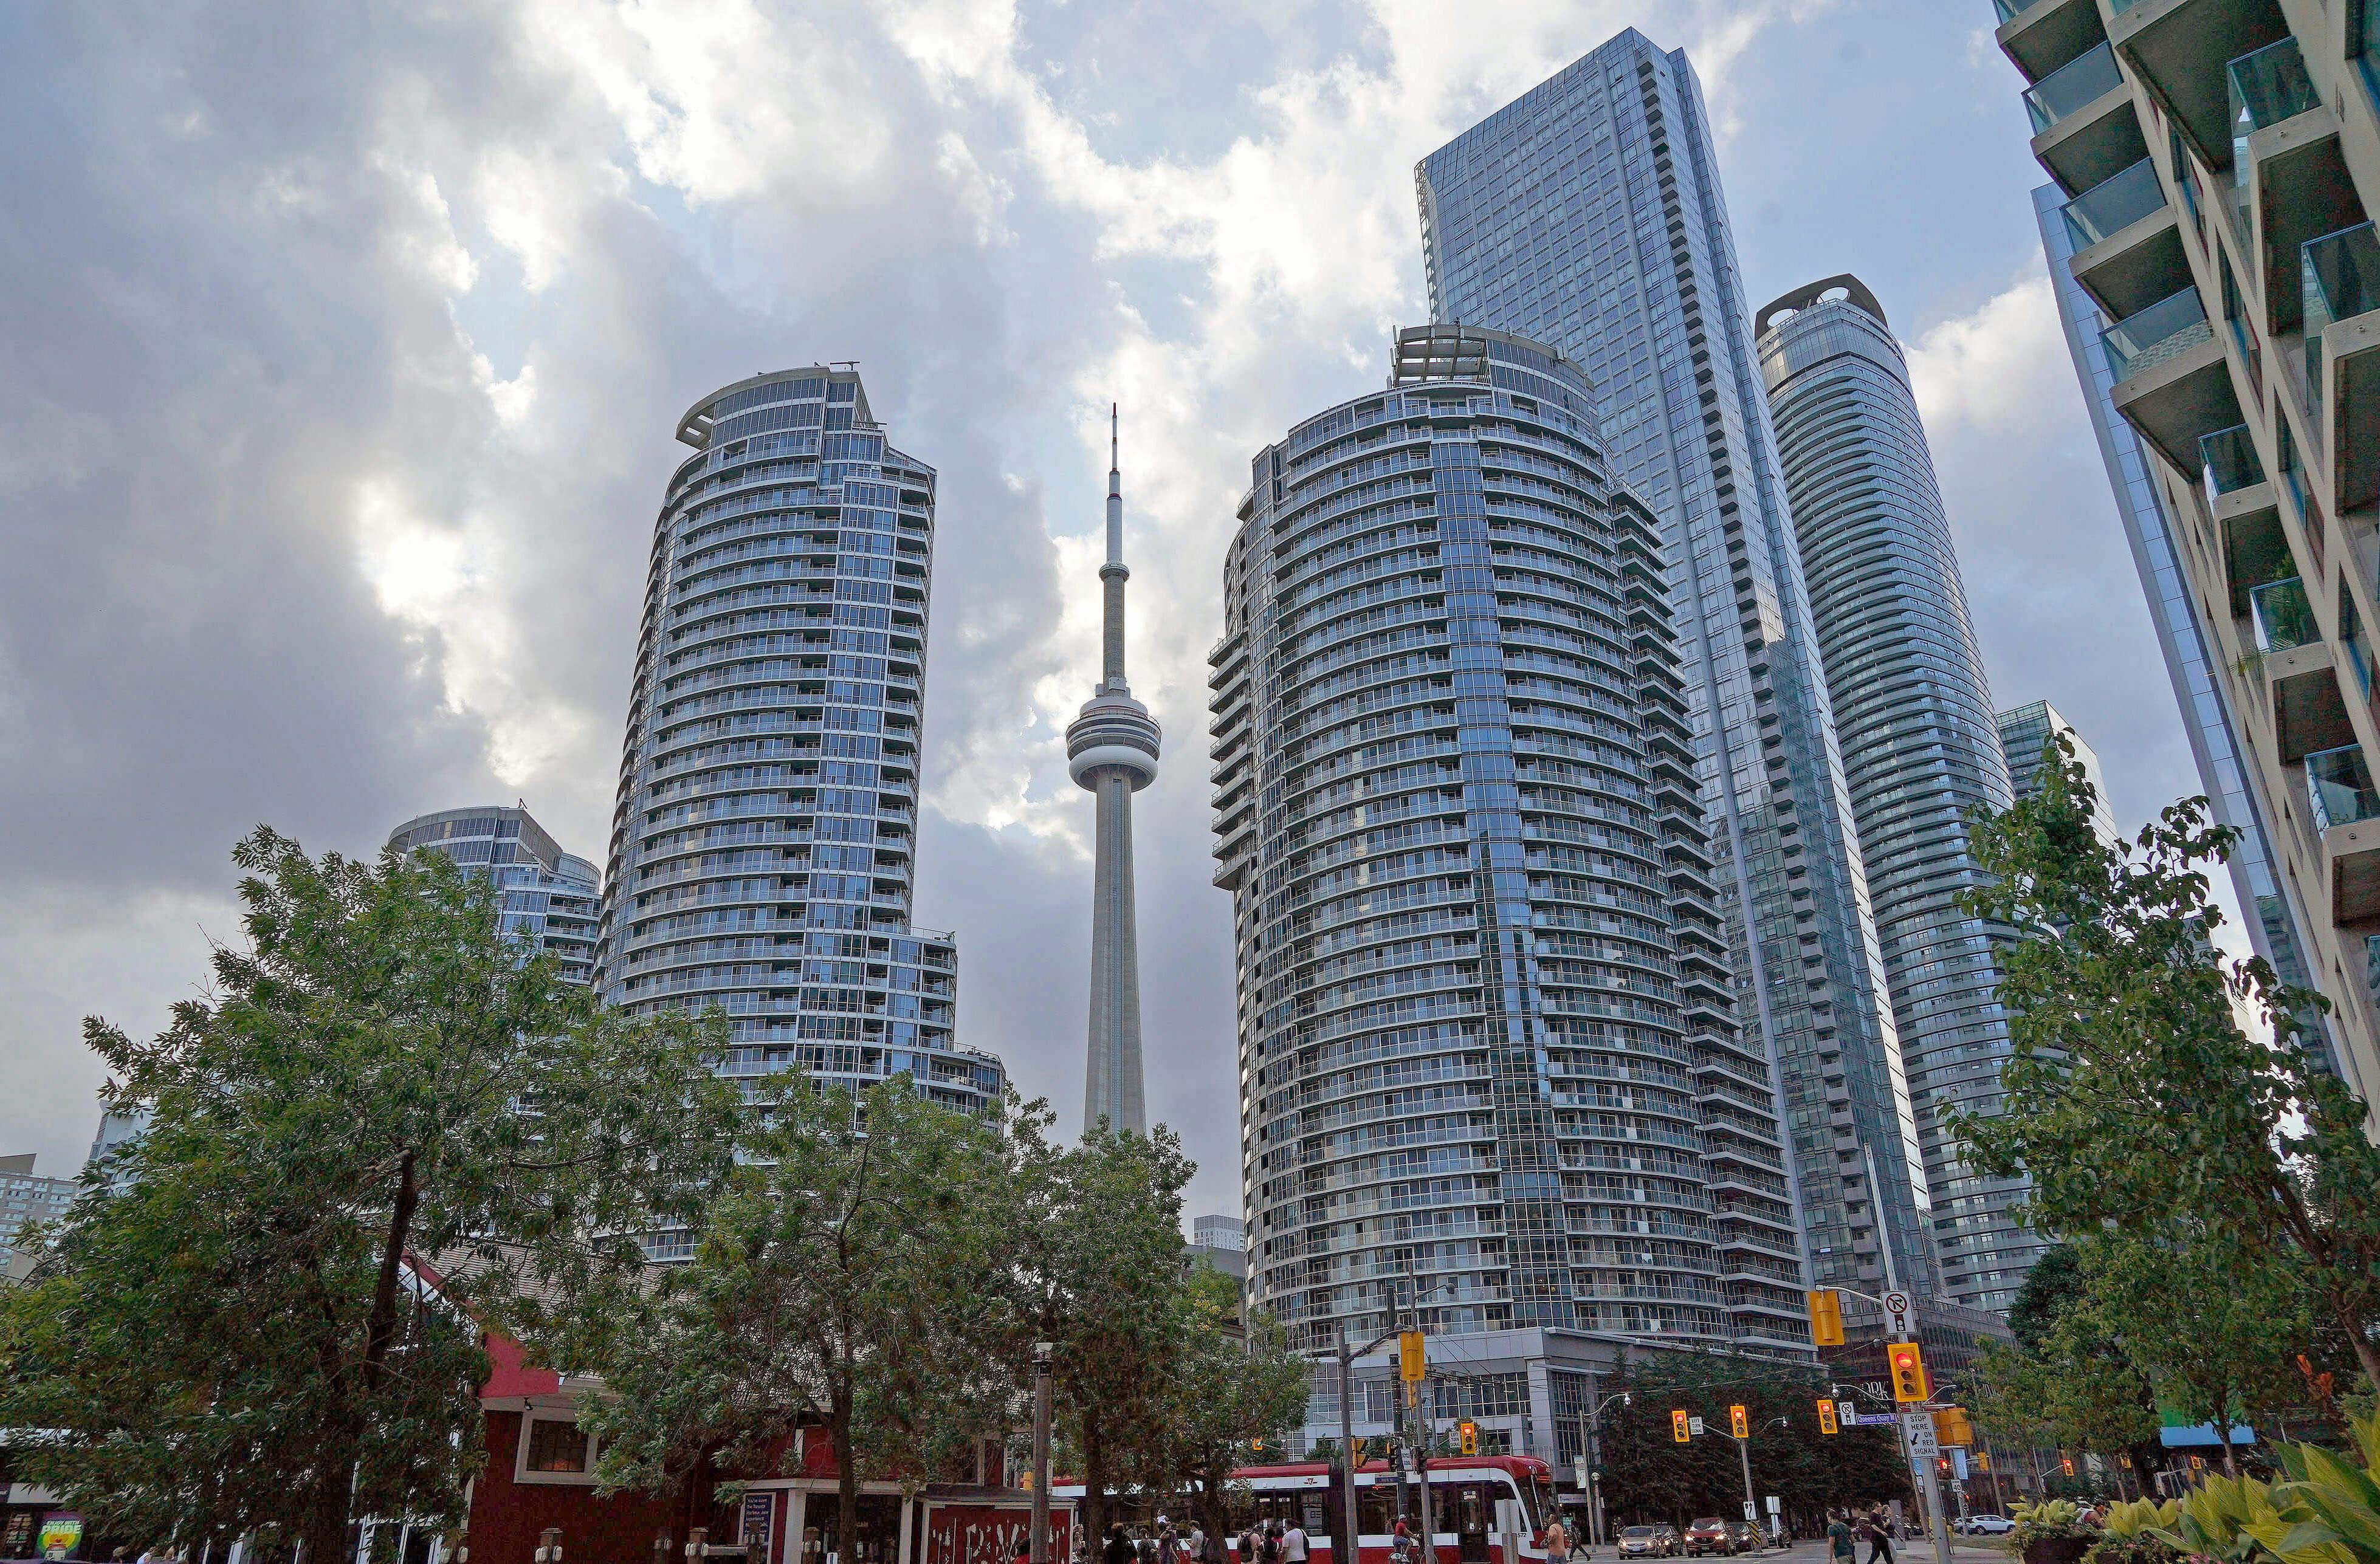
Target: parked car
{"points": [[1649, 1542], [1708, 1534], [1745, 1536], [1986, 1525]]}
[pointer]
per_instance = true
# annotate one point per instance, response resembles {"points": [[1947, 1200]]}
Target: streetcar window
{"points": [[1377, 1507]]}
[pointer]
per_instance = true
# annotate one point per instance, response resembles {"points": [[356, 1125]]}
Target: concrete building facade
{"points": [[1490, 1069], [1913, 717], [1111, 754], [1587, 214], [762, 851], [2219, 161]]}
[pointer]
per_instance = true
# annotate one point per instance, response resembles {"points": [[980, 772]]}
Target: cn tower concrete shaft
{"points": [[1111, 752]]}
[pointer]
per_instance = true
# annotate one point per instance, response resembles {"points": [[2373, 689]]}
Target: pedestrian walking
{"points": [[1557, 1539], [1119, 1549], [1840, 1544], [1292, 1545]]}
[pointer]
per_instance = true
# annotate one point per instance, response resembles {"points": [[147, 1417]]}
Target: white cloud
{"points": [[2001, 367]]}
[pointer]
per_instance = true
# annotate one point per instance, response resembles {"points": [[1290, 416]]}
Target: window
{"points": [[556, 1447]]}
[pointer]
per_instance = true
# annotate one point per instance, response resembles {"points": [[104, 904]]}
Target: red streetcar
{"points": [[1462, 1490]]}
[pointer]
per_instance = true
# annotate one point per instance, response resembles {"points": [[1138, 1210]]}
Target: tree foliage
{"points": [[1648, 1475], [2134, 1100], [854, 1272], [224, 1335], [1225, 1386]]}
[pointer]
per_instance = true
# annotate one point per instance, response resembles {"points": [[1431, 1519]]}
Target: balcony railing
{"points": [[2171, 326], [2284, 618], [2339, 787], [2268, 87], [2114, 204], [2076, 84], [2342, 278], [2229, 461], [2011, 9], [2117, 7]]}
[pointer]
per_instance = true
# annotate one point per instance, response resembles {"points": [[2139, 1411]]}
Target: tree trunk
{"points": [[322, 1529], [846, 1479], [1095, 1485]]}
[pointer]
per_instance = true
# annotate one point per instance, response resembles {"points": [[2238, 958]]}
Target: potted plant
{"points": [[2052, 1531]]}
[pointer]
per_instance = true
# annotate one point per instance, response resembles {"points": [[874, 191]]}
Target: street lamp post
{"points": [[1594, 1460], [1040, 1538]]}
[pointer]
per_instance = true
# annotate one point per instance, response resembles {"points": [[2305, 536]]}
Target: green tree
{"points": [[2068, 1380], [1101, 1260], [226, 1341], [1647, 1474], [853, 1272], [2134, 1099], [1223, 1386]]}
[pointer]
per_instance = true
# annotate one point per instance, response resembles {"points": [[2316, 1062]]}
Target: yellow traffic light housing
{"points": [[1468, 1433], [1680, 1429], [1825, 1317], [1953, 1427], [1827, 1422], [1907, 1364], [1413, 1360], [1739, 1422]]}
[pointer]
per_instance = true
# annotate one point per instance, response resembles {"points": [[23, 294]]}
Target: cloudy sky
{"points": [[340, 347]]}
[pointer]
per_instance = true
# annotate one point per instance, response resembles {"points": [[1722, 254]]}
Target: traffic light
{"points": [[1412, 1356], [1827, 1422], [1680, 1429], [1825, 1317], [1951, 1427], [1908, 1366], [2065, 1465], [1983, 1461], [1739, 1422], [1467, 1432]]}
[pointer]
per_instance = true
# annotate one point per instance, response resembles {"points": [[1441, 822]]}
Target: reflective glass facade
{"points": [[1914, 716], [1587, 214], [1490, 1060], [548, 897], [762, 849]]}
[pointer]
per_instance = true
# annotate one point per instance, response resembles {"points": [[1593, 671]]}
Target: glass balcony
{"points": [[2120, 6], [2268, 87], [2011, 9], [2081, 82], [2114, 204], [2338, 786], [2228, 460], [2171, 326], [2283, 617], [2341, 278]]}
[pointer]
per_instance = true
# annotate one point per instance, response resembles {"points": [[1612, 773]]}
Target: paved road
{"points": [[1916, 1550]]}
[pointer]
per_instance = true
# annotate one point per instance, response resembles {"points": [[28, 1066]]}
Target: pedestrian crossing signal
{"points": [[1468, 1432], [1908, 1366], [1680, 1429], [1739, 1422], [1827, 1422], [1825, 1317]]}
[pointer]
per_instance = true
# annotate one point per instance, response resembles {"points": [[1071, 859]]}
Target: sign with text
{"points": [[1919, 1427]]}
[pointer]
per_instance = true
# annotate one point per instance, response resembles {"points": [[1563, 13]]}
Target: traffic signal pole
{"points": [[1751, 1503], [1940, 1525]]}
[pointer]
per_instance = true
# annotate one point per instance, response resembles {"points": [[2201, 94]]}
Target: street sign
{"points": [[1896, 1303], [1578, 1470], [1919, 1430], [1959, 1461], [1774, 1507], [1749, 1513], [1695, 1426], [1847, 1413], [1876, 1420]]}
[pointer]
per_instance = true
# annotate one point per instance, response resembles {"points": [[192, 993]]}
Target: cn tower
{"points": [[1112, 751]]}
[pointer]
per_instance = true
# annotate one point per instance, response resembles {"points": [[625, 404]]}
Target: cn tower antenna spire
{"points": [[1111, 752]]}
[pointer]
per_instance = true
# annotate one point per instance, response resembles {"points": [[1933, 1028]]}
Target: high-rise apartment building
{"points": [[1913, 717], [27, 1197], [547, 897], [762, 849], [2025, 732], [2275, 910], [1587, 214], [2218, 161], [1490, 1069]]}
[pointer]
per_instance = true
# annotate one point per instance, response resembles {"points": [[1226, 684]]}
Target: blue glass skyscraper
{"points": [[764, 840], [1587, 214], [547, 897]]}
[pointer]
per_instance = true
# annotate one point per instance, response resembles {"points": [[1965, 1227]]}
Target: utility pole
{"points": [[1937, 1522], [1751, 1500], [1040, 1537]]}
